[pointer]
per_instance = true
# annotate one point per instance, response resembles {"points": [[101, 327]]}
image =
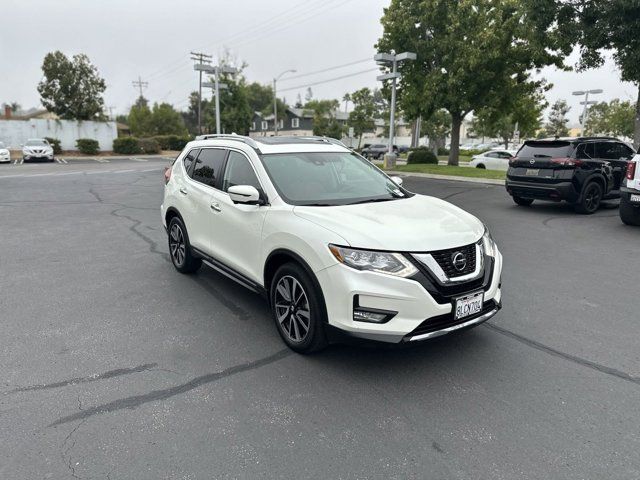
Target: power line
{"points": [[297, 87], [140, 84], [328, 69]]}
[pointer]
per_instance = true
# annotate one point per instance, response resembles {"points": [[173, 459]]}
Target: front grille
{"points": [[445, 260], [445, 321]]}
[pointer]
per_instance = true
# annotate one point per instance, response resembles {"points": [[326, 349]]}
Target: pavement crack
{"points": [[566, 356], [91, 378], [66, 448], [158, 395], [153, 245]]}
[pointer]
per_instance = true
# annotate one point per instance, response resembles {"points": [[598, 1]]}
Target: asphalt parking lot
{"points": [[115, 366]]}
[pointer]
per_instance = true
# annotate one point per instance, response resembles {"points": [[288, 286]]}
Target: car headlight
{"points": [[488, 245], [381, 262]]}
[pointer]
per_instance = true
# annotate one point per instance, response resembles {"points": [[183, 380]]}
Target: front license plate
{"points": [[532, 172], [635, 198], [469, 305]]}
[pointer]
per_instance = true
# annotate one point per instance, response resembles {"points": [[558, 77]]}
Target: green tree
{"points": [[469, 53], [165, 120], [72, 88], [235, 111], [437, 128], [615, 118], [525, 113], [611, 25], [362, 117], [557, 123], [324, 120], [139, 119]]}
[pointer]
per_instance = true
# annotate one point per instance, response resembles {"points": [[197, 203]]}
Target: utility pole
{"points": [[392, 60], [275, 101], [202, 62], [139, 84]]}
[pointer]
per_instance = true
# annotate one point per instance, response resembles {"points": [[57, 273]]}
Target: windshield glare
{"points": [[331, 178], [36, 143]]}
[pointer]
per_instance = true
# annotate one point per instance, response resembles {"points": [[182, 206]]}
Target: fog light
{"points": [[365, 316], [370, 315]]}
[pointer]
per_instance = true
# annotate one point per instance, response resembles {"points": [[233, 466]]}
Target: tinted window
{"points": [[491, 155], [585, 151], [239, 172], [189, 159], [208, 165], [545, 150], [609, 150]]}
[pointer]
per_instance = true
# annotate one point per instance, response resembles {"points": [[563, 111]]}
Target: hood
{"points": [[415, 224]]}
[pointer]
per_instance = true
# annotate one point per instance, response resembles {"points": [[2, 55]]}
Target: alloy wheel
{"points": [[592, 198], [292, 309], [177, 244]]}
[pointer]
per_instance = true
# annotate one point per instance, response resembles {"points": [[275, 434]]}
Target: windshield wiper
{"points": [[317, 205], [372, 200]]}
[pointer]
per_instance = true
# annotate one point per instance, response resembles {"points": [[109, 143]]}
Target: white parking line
{"points": [[62, 160], [123, 171], [139, 159], [101, 160]]}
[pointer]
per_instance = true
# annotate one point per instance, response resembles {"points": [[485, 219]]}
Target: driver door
{"points": [[236, 234]]}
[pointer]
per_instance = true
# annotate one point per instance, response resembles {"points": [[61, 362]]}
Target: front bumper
{"points": [[37, 156], [554, 192], [418, 315]]}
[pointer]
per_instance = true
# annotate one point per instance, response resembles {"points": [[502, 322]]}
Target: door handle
{"points": [[183, 191], [216, 207]]}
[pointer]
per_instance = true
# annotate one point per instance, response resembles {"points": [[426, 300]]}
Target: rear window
{"points": [[545, 150]]}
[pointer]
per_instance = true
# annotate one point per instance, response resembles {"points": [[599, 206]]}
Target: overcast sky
{"points": [[153, 38]]}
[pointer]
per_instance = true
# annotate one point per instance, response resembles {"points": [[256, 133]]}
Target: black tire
{"points": [[629, 214], [480, 165], [591, 199], [292, 314], [523, 202], [180, 248]]}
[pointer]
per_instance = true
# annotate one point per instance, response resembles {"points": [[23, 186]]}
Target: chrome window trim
{"points": [[428, 261]]}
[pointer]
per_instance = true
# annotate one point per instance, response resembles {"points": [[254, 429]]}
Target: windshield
{"points": [[36, 143], [332, 178]]}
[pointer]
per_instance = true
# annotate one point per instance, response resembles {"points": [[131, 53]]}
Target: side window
{"points": [[295, 122], [585, 151], [264, 125], [189, 159], [239, 172], [208, 165], [625, 151], [608, 150], [491, 155]]}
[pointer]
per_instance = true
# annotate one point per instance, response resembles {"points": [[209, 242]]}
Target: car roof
{"points": [[267, 145], [574, 139]]}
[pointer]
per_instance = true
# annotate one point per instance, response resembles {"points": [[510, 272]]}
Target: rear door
{"points": [[206, 175], [544, 161]]}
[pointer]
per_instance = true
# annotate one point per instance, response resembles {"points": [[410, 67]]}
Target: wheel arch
{"points": [[596, 177], [281, 256], [170, 213]]}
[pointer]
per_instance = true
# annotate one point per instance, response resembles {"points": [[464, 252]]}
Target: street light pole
{"points": [[392, 60], [275, 101], [586, 103]]}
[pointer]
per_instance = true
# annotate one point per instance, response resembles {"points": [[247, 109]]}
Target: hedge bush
{"points": [[88, 146], [178, 142], [443, 151], [127, 145], [149, 145], [55, 143], [163, 141], [421, 155]]}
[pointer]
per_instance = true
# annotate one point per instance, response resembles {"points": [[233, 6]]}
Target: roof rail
{"points": [[230, 136], [318, 138]]}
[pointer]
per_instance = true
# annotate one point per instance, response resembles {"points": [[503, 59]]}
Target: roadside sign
{"points": [[351, 132], [516, 137]]}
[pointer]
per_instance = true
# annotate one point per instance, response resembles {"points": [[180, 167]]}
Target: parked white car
{"points": [[496, 159], [37, 149], [335, 245], [5, 156], [630, 194]]}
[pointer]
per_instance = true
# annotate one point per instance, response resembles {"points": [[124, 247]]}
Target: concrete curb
{"points": [[488, 181]]}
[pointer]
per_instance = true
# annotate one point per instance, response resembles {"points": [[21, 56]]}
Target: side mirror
{"points": [[245, 194], [397, 180]]}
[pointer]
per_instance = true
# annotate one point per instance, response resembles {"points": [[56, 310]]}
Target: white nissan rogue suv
{"points": [[335, 245]]}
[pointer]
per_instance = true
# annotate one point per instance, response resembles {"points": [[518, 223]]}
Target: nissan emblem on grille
{"points": [[459, 261]]}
